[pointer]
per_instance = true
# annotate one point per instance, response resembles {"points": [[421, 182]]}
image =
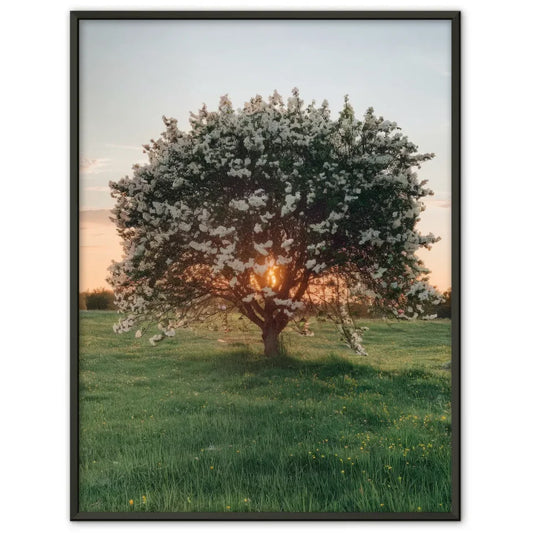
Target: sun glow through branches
{"points": [[272, 278]]}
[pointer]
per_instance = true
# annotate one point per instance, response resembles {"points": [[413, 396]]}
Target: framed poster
{"points": [[263, 324]]}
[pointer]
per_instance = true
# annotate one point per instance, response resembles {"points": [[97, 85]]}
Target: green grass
{"points": [[195, 424]]}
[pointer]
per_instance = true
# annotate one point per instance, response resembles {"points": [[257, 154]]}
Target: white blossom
{"points": [[153, 340], [260, 268], [268, 292], [241, 205], [262, 248], [310, 264]]}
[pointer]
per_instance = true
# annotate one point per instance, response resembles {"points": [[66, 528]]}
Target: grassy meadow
{"points": [[203, 422]]}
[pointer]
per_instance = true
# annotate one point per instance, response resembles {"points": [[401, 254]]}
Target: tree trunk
{"points": [[271, 341]]}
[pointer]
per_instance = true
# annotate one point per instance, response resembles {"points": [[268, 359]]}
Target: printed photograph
{"points": [[265, 267]]}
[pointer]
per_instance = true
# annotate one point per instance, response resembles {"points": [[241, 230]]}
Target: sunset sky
{"points": [[133, 72]]}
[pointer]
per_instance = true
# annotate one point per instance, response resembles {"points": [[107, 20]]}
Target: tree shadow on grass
{"points": [[243, 361], [334, 374]]}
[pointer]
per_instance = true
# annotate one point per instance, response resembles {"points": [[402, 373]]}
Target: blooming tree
{"points": [[258, 207]]}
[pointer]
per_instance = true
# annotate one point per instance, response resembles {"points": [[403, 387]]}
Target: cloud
{"points": [[446, 204], [97, 189], [437, 65], [125, 146], [92, 166], [440, 199], [95, 216]]}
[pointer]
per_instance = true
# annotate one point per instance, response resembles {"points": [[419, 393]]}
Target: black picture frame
{"points": [[455, 18]]}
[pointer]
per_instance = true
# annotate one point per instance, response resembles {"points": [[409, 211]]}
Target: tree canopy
{"points": [[264, 208]]}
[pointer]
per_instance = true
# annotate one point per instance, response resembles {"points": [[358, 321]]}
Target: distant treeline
{"points": [[103, 299], [444, 309], [97, 299], [367, 310]]}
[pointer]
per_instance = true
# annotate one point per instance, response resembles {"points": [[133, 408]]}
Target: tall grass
{"points": [[204, 422]]}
